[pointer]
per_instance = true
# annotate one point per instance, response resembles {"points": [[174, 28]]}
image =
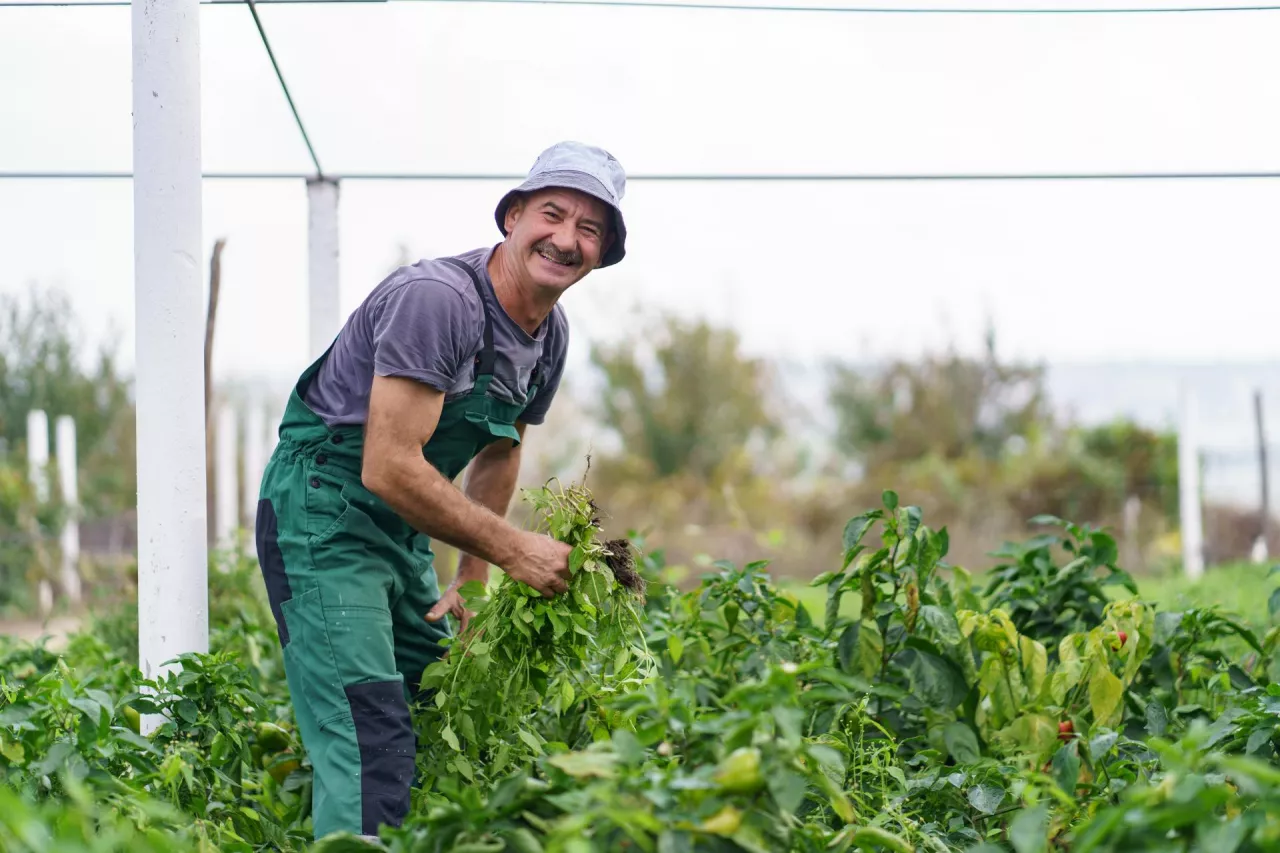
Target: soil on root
{"points": [[620, 558]]}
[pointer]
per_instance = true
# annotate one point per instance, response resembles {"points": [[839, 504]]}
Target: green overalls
{"points": [[350, 584]]}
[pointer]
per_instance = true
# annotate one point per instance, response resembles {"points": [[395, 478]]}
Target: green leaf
{"points": [[890, 499], [856, 528], [576, 558], [835, 592], [1105, 693], [986, 797], [344, 842], [186, 709], [628, 747], [1157, 719], [1066, 767], [788, 789], [673, 841], [846, 648], [914, 515], [675, 647], [13, 750], [943, 623], [935, 680], [582, 765], [521, 840], [1101, 745], [962, 743], [1257, 739], [1029, 829], [530, 740], [471, 590], [1220, 836], [450, 738], [874, 838], [790, 722]]}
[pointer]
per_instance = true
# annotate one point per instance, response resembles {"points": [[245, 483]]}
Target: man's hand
{"points": [[451, 603], [542, 563]]}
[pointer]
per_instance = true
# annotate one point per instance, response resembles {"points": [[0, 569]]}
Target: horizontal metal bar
{"points": [[727, 7], [682, 178]]}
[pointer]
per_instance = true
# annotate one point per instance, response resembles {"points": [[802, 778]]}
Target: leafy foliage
{"points": [[931, 715]]}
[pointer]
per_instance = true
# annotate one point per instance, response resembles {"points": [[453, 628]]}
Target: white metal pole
{"points": [[38, 474], [325, 315], [173, 594], [228, 514], [1189, 487], [255, 458], [65, 428]]}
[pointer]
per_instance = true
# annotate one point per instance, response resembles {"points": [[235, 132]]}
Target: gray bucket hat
{"points": [[575, 166]]}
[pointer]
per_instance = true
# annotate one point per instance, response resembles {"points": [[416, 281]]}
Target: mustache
{"points": [[547, 248]]}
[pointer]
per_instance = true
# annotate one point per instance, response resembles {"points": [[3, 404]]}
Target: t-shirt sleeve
{"points": [[551, 369], [425, 331]]}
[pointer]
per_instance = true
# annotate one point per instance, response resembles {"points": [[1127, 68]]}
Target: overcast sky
{"points": [[1079, 271]]}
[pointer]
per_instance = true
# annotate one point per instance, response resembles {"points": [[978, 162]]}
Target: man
{"points": [[443, 365]]}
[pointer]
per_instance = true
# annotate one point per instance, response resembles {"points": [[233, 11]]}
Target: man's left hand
{"points": [[451, 602]]}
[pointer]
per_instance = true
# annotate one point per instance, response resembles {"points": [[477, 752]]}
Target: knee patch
{"points": [[387, 744]]}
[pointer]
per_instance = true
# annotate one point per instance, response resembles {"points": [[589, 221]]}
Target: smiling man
{"points": [[442, 366]]}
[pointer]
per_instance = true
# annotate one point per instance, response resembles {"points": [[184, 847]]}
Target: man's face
{"points": [[558, 236]]}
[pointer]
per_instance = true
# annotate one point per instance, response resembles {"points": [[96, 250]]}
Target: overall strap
{"points": [[488, 355]]}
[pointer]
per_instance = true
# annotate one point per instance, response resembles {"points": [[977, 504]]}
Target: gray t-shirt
{"points": [[426, 322]]}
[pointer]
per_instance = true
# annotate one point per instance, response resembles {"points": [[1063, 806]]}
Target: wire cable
{"points": [[253, 9], [862, 10], [727, 7], [687, 178]]}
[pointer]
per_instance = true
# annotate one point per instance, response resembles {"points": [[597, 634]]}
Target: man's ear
{"points": [[514, 209]]}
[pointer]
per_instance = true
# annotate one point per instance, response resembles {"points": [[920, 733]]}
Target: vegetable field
{"points": [[1029, 713]]}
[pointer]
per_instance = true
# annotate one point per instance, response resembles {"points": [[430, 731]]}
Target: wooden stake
{"points": [[211, 319]]}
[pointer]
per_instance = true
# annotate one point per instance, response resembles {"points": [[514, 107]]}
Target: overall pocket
{"points": [[311, 656]]}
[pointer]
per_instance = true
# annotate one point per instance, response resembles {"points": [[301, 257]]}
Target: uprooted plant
{"points": [[523, 653]]}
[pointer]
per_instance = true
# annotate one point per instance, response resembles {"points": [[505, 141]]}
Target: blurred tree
{"points": [[683, 399], [949, 405], [42, 366]]}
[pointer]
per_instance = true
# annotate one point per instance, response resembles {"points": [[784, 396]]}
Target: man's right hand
{"points": [[542, 563]]}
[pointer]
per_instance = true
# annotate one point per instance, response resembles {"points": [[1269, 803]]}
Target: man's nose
{"points": [[565, 237]]}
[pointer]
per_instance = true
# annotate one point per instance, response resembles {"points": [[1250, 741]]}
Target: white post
{"points": [[1189, 488], [173, 593], [67, 484], [228, 514], [324, 315], [255, 458], [38, 474]]}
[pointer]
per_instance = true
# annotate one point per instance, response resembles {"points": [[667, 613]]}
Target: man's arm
{"points": [[491, 481], [403, 414]]}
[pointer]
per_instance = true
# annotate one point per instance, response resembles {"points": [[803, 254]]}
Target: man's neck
{"points": [[520, 299]]}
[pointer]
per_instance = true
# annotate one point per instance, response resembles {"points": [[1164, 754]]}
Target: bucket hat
{"points": [[586, 168]]}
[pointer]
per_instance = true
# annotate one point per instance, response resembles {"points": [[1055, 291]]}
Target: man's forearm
{"points": [[432, 504], [491, 481]]}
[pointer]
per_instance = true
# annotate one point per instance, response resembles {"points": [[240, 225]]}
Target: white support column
{"points": [[1191, 521], [68, 485], [228, 512], [324, 314], [255, 460], [173, 589], [38, 474]]}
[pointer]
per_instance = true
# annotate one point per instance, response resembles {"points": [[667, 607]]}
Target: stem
{"points": [[897, 580], [1008, 683]]}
